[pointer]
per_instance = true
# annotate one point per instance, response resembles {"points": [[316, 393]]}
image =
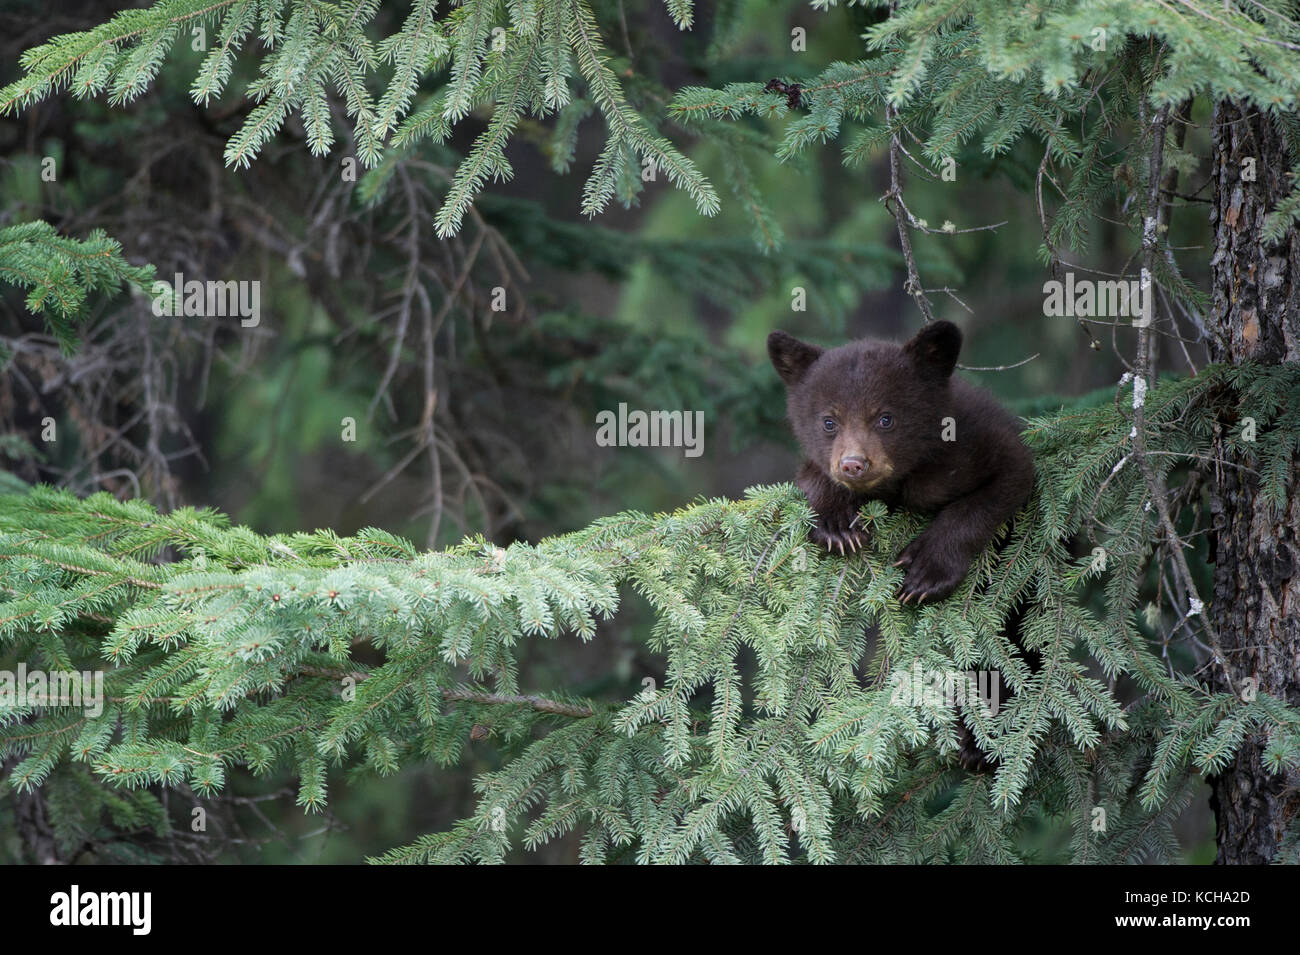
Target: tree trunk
{"points": [[1256, 601]]}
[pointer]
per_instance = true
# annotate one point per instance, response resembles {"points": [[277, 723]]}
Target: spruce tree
{"points": [[226, 650]]}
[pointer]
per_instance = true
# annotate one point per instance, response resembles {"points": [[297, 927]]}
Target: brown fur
{"points": [[888, 404]]}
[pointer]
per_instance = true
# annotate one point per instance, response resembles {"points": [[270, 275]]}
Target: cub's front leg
{"points": [[939, 558], [839, 527], [935, 564]]}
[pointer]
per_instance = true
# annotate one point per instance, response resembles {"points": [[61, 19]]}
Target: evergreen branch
{"points": [[209, 661], [539, 703]]}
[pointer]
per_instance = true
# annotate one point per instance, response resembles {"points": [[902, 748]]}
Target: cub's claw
{"points": [[843, 537], [932, 574]]}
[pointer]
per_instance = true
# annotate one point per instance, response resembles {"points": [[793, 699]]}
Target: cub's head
{"points": [[868, 412]]}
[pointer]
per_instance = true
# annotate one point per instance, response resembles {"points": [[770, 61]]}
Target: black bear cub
{"points": [[886, 422]]}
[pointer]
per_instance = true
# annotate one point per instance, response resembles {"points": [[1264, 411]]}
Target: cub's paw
{"points": [[844, 533], [932, 573]]}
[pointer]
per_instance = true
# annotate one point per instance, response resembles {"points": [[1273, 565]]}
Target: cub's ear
{"points": [[934, 350], [790, 356]]}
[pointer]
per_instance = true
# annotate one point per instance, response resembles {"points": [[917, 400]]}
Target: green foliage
{"points": [[518, 58], [1067, 74], [776, 731], [60, 271], [998, 70]]}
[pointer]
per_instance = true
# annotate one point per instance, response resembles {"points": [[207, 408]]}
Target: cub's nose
{"points": [[853, 465]]}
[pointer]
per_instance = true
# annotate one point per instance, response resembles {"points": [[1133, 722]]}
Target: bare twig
{"points": [[1144, 369]]}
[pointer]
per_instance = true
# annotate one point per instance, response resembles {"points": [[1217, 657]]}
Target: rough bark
{"points": [[1256, 600]]}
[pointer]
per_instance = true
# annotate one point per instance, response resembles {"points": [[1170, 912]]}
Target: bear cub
{"points": [[879, 421]]}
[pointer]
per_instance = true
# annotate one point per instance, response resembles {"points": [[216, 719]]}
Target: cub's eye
{"points": [[828, 424], [885, 422]]}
